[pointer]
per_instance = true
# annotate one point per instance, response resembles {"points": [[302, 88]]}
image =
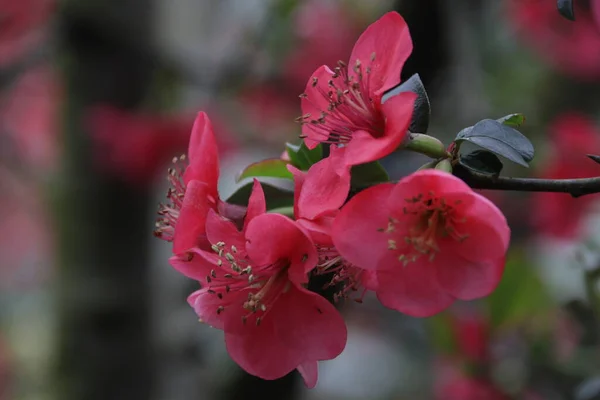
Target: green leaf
{"points": [[422, 108], [500, 139], [441, 333], [482, 162], [276, 196], [272, 167], [519, 295], [368, 174], [513, 120], [565, 8], [302, 157]]}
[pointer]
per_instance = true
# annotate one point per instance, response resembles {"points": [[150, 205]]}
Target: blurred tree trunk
{"points": [[104, 335]]}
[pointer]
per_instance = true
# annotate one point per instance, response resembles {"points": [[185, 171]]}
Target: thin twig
{"points": [[575, 187]]}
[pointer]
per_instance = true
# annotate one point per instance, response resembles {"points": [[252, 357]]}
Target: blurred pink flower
{"points": [[136, 146], [30, 116], [319, 40], [22, 26], [572, 136], [572, 47]]}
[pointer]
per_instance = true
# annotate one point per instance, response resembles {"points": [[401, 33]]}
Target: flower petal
{"points": [[389, 39], [205, 305], [364, 147], [272, 238], [191, 223], [468, 280], [323, 189], [203, 153], [412, 289], [313, 103], [310, 373], [219, 229], [485, 227], [355, 230], [257, 204], [299, 177], [197, 267], [260, 352], [309, 324]]}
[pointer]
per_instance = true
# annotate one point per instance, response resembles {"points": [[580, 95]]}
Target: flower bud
{"points": [[427, 145]]}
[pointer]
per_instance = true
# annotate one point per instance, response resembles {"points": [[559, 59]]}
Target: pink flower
{"points": [[29, 114], [465, 388], [21, 29], [572, 136], [135, 146], [253, 288], [472, 334], [344, 106], [319, 194], [571, 47], [194, 192], [429, 238]]}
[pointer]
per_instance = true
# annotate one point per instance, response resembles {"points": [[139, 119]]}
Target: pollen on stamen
{"points": [[169, 212]]}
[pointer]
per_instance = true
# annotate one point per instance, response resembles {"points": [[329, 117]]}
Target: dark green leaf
{"points": [[302, 157], [368, 174], [422, 108], [482, 162], [276, 196], [514, 120], [565, 8], [273, 168], [499, 139]]}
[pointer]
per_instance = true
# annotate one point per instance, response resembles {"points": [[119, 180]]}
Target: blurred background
{"points": [[97, 97]]}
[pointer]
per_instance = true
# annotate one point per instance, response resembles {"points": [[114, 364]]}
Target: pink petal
{"points": [[314, 103], [488, 234], [323, 189], [412, 289], [319, 229], [355, 230], [203, 154], [257, 204], [273, 238], [198, 267], [309, 324], [364, 147], [468, 280], [260, 352], [390, 40], [191, 223], [222, 230], [422, 182], [205, 305], [299, 177], [310, 373]]}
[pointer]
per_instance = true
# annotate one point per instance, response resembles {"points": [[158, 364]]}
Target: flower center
{"points": [[435, 220], [345, 275], [234, 274], [350, 107], [169, 211]]}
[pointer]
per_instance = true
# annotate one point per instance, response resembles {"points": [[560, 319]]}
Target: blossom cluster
{"points": [[419, 244]]}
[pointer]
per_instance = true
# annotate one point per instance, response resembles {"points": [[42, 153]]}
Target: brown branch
{"points": [[575, 187]]}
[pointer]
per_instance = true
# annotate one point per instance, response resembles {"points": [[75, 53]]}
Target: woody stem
{"points": [[575, 187]]}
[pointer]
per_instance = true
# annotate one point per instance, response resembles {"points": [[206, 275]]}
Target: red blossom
{"points": [[572, 136], [572, 47], [22, 26], [472, 334], [465, 388], [344, 106], [29, 115], [135, 146], [194, 192], [430, 240], [253, 288]]}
